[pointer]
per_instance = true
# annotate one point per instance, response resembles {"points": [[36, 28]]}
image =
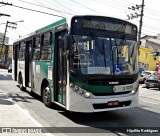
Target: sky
{"points": [[57, 9]]}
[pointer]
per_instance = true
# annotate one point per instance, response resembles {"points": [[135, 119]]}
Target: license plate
{"points": [[151, 84], [113, 103]]}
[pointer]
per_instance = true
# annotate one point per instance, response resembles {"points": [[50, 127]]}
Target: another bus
{"points": [[89, 65]]}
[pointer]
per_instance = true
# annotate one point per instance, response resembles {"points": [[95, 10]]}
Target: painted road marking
{"points": [[149, 102]]}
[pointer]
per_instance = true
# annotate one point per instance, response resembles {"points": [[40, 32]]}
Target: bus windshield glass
{"points": [[92, 55]]}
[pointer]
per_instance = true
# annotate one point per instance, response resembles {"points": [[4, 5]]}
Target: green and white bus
{"points": [[89, 65]]}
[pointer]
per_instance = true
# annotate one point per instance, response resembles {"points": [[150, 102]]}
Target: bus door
{"points": [[28, 58], [15, 60], [60, 69]]}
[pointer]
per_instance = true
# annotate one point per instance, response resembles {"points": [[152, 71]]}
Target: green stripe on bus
{"points": [[91, 88]]}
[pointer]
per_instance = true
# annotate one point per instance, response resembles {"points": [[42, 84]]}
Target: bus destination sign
{"points": [[108, 26]]}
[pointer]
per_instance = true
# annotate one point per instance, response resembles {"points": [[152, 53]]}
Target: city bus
{"points": [[87, 65]]}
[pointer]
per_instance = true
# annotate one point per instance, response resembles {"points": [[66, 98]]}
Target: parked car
{"points": [[10, 68], [144, 75], [153, 81]]}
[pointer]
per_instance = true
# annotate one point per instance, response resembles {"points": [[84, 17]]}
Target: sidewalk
{"points": [[12, 115]]}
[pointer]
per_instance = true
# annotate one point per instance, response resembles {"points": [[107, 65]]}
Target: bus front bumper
{"points": [[78, 103]]}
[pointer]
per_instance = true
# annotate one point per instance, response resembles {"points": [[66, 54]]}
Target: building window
{"points": [[145, 55]]}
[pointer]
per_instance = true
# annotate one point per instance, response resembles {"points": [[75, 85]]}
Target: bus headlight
{"points": [[87, 94], [133, 91], [80, 91]]}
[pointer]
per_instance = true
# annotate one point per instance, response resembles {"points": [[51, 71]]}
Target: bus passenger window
{"points": [[46, 46], [22, 51], [36, 49]]}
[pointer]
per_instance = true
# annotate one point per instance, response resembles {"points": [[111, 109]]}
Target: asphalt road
{"points": [[147, 114]]}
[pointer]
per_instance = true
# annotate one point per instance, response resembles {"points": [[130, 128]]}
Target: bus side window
{"points": [[36, 48], [21, 51], [46, 42]]}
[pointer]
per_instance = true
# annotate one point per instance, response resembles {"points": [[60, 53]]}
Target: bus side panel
{"points": [[33, 76], [36, 80], [14, 63], [30, 74], [21, 69]]}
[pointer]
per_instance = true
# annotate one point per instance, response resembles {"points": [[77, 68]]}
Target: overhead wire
{"points": [[63, 7], [108, 4], [115, 3], [85, 7], [36, 11], [37, 1], [45, 7]]}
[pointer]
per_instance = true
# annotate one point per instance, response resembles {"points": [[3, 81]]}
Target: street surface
{"points": [[147, 114]]}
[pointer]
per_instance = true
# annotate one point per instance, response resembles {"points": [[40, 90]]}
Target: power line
{"points": [[2, 5], [85, 6], [151, 27], [44, 7], [31, 9], [149, 31], [117, 3], [152, 18], [108, 4], [152, 10], [1, 14], [128, 2], [63, 6]]}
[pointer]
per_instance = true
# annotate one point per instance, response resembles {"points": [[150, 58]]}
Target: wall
{"points": [[146, 61]]}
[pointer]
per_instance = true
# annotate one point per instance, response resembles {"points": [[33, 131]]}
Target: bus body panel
{"points": [[40, 72], [21, 70], [30, 74], [15, 62]]}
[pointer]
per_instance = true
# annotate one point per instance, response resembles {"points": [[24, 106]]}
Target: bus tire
{"points": [[46, 96], [20, 81]]}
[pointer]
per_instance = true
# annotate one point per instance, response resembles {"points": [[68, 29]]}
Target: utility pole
{"points": [[7, 25], [4, 36], [140, 22], [136, 15], [1, 14]]}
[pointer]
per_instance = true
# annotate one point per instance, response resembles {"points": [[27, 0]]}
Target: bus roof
{"points": [[62, 21], [50, 26]]}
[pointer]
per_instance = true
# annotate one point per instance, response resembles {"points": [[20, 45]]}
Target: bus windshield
{"points": [[102, 55]]}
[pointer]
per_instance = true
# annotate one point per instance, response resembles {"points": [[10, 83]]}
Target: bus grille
{"points": [[105, 106], [110, 82], [107, 94]]}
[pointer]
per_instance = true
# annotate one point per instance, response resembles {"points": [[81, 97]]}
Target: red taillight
{"points": [[159, 81]]}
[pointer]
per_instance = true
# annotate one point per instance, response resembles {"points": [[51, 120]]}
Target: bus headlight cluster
{"points": [[135, 90], [80, 91]]}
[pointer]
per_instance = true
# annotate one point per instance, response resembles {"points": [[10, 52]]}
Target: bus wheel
{"points": [[46, 96]]}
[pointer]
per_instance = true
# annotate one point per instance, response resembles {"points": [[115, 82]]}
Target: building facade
{"points": [[146, 60], [149, 44], [1, 39]]}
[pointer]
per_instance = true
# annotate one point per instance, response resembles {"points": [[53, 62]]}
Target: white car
{"points": [[145, 75]]}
